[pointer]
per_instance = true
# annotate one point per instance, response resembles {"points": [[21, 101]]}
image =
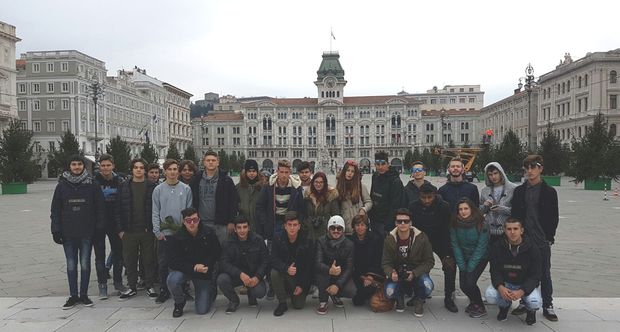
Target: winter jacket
{"points": [[419, 259], [469, 245], [303, 258], [548, 214], [266, 208], [348, 209], [434, 221], [411, 193], [452, 192], [496, 218], [367, 254], [317, 213], [226, 197], [257, 258], [386, 193], [248, 197], [125, 206], [186, 251], [342, 253], [77, 209], [524, 269], [110, 196]]}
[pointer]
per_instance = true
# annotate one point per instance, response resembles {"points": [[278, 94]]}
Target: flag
{"points": [[333, 35]]}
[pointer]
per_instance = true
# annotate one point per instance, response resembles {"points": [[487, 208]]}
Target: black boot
{"points": [[178, 310]]}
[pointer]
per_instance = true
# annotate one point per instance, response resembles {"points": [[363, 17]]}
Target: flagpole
{"points": [[331, 33]]}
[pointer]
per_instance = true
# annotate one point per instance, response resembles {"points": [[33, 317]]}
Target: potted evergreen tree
{"points": [[554, 155], [18, 164]]}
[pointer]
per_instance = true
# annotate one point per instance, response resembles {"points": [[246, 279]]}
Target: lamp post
{"points": [[530, 84], [95, 90], [442, 116]]}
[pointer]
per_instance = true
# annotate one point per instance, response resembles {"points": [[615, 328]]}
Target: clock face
{"points": [[330, 82]]}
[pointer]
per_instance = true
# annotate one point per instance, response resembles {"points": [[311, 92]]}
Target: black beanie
{"points": [[250, 164]]}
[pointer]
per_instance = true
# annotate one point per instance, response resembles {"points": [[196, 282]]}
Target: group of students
{"points": [[289, 234]]}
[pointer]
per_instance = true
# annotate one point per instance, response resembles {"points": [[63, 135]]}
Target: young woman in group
{"points": [[353, 195]]}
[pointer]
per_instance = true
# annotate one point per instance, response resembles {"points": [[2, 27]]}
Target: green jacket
{"points": [[420, 255], [248, 196], [317, 214], [469, 245]]}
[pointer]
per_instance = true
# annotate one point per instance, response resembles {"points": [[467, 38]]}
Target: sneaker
{"points": [[252, 302], [477, 311], [103, 291], [449, 304], [418, 308], [280, 309], [530, 319], [232, 307], [549, 313], [337, 301], [164, 295], [71, 302], [502, 316], [322, 308], [178, 310], [468, 308], [520, 310], [119, 287], [86, 301], [152, 293], [140, 285], [129, 293], [400, 303]]}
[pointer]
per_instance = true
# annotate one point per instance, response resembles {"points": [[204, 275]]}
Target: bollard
{"points": [[605, 196]]}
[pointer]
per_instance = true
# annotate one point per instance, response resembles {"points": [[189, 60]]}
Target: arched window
{"points": [[612, 129], [579, 82], [613, 76]]}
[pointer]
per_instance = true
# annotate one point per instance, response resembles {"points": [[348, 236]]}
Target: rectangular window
{"points": [[472, 100], [613, 102], [65, 126], [36, 105], [50, 105], [65, 104], [21, 88], [36, 126], [50, 67], [64, 66], [36, 88], [36, 67], [22, 105], [51, 126], [64, 87], [50, 87]]}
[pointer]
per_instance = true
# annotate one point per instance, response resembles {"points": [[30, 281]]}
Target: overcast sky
{"points": [[274, 48]]}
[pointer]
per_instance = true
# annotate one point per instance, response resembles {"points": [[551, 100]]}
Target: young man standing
{"points": [[292, 259], [412, 189], [77, 213], [135, 229], [245, 261], [515, 272], [536, 203], [386, 193], [305, 175], [407, 261], [496, 200], [456, 187], [154, 173], [169, 199], [215, 197]]}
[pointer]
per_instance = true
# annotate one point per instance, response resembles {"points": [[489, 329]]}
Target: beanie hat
{"points": [[250, 164], [336, 221]]}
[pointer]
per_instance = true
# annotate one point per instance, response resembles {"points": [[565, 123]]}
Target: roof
{"points": [[222, 116], [359, 100], [330, 66], [450, 112]]}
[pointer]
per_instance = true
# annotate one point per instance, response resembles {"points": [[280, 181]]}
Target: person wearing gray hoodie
{"points": [[496, 200]]}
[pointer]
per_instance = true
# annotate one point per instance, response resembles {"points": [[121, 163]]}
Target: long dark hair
{"points": [[349, 189], [320, 196], [476, 215]]}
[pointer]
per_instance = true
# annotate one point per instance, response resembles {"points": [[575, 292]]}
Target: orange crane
{"points": [[467, 154]]}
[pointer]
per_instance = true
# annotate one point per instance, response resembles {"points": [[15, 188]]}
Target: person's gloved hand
{"points": [[57, 236]]}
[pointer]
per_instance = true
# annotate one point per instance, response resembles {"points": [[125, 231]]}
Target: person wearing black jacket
{"points": [[245, 261], [515, 272], [135, 228], [215, 197], [411, 192], [292, 263], [367, 261], [456, 187], [77, 212], [431, 215], [194, 250], [386, 192], [536, 204], [334, 265]]}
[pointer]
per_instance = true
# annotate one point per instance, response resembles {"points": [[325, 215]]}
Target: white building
{"points": [[8, 74], [511, 113], [179, 126]]}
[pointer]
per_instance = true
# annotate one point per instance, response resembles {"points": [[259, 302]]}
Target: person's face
{"points": [[106, 167], [137, 170], [154, 174], [242, 230], [464, 211], [191, 222], [211, 163], [513, 231], [318, 184], [348, 175], [418, 172], [304, 174], [251, 174], [382, 166], [360, 229], [336, 232], [495, 177], [427, 199], [187, 172], [402, 222], [533, 171], [172, 172], [76, 167], [283, 174], [292, 227], [455, 168]]}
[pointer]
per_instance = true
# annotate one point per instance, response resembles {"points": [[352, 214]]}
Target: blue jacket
{"points": [[452, 192]]}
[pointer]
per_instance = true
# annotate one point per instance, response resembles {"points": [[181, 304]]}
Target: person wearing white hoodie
{"points": [[496, 200]]}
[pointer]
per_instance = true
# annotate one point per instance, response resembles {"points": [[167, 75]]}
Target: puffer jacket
{"points": [[186, 251], [248, 197], [420, 258], [317, 213], [386, 193], [257, 258], [342, 253], [125, 206], [469, 245], [496, 218], [348, 209]]}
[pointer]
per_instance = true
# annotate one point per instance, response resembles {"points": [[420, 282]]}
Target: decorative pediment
{"points": [[266, 104], [396, 101], [330, 102]]}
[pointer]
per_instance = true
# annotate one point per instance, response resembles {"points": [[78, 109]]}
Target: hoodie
{"points": [[274, 202], [502, 197]]}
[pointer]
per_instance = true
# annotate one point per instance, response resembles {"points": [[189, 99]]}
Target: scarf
{"points": [[331, 243], [77, 179]]}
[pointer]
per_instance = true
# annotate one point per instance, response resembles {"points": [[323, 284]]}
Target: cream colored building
{"points": [[8, 75], [510, 113], [179, 125]]}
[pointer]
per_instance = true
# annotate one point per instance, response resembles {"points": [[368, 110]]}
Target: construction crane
{"points": [[468, 155]]}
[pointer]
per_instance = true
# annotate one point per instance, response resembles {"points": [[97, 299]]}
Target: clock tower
{"points": [[330, 80]]}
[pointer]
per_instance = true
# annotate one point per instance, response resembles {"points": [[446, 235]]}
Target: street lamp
{"points": [[95, 90], [530, 84], [442, 116]]}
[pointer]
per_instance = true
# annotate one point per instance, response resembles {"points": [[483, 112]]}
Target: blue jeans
{"points": [[74, 248], [532, 301], [422, 287], [116, 257], [203, 298]]}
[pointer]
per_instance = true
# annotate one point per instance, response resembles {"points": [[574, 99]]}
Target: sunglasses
{"points": [[417, 170], [192, 221], [336, 228], [380, 162], [402, 221], [531, 166]]}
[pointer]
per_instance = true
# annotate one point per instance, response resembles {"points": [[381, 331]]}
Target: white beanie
{"points": [[336, 221]]}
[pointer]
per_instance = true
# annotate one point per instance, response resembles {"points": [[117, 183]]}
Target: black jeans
{"points": [[546, 286], [162, 260], [116, 252], [324, 281], [469, 282]]}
